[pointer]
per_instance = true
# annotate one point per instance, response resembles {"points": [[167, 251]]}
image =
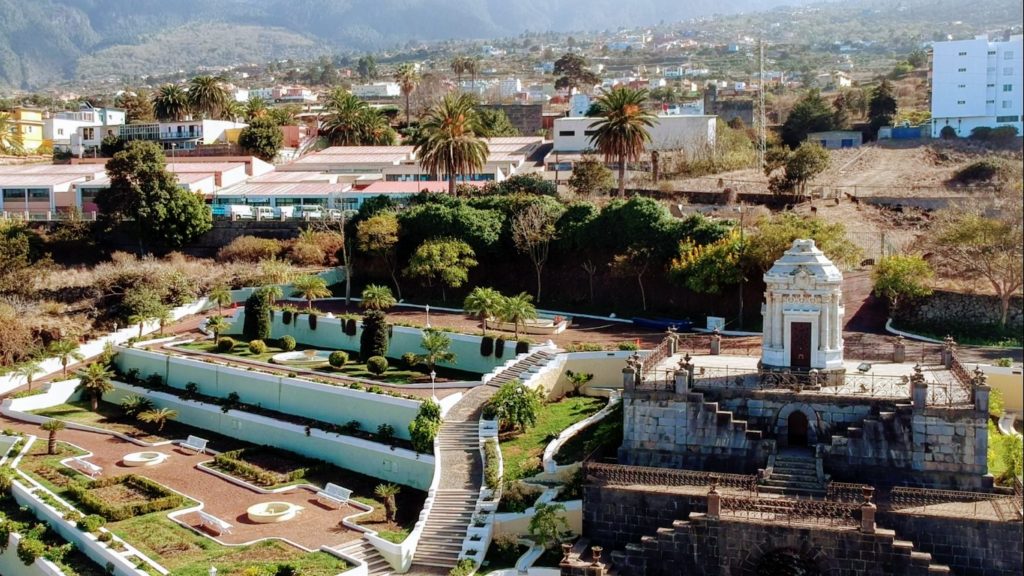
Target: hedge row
{"points": [[158, 498], [233, 463]]}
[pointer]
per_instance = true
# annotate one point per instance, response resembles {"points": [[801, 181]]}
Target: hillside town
{"points": [[713, 297]]}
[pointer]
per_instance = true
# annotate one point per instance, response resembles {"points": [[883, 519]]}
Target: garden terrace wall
{"points": [[11, 564], [330, 336], [371, 458], [329, 403]]}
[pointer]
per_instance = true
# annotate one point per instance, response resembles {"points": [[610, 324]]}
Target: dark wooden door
{"points": [[797, 424], [800, 345]]}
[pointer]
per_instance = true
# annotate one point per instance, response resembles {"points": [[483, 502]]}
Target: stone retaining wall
{"points": [[970, 547], [953, 307], [615, 516]]}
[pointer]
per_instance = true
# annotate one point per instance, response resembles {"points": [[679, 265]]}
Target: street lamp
{"points": [[213, 571], [427, 308], [433, 375], [173, 146]]}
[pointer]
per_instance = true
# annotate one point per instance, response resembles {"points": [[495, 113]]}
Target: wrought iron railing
{"points": [[845, 492], [649, 360], [875, 353], [810, 512], [1005, 507], [622, 475]]}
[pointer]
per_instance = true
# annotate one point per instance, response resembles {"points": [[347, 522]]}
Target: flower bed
{"points": [[264, 466], [122, 497]]}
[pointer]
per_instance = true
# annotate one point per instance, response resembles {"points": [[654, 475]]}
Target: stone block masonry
{"points": [[953, 307], [617, 516], [968, 546]]}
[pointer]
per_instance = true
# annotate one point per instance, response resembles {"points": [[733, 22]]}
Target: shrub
{"points": [[1004, 362], [249, 249], [409, 361], [29, 549], [374, 339], [157, 497], [105, 537], [385, 432], [377, 365], [191, 390], [630, 346], [514, 405], [257, 315], [155, 381], [464, 567], [980, 171], [91, 523], [499, 347], [350, 326], [286, 343], [422, 432], [225, 344], [338, 358], [522, 347], [486, 346], [517, 497], [305, 254], [947, 133], [351, 427], [286, 317], [491, 475], [231, 402], [312, 321], [257, 347]]}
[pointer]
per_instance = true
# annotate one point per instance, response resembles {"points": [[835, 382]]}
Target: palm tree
{"points": [[349, 121], [407, 79], [255, 107], [233, 110], [448, 143], [10, 137], [52, 426], [95, 380], [387, 493], [518, 309], [459, 66], [163, 316], [221, 296], [66, 350], [141, 320], [310, 287], [28, 370], [377, 297], [483, 302], [170, 103], [217, 325], [133, 404], [207, 96], [473, 67], [622, 133], [437, 345], [158, 417]]}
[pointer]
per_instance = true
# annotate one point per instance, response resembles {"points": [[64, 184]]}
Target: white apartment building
{"points": [[377, 90], [58, 128], [690, 133], [977, 83], [509, 87]]}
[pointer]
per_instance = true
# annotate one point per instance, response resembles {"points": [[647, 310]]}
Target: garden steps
{"points": [[361, 549]]}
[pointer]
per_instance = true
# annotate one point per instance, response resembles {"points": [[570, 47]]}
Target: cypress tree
{"points": [[374, 339]]}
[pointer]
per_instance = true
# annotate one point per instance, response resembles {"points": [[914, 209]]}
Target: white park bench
{"points": [[221, 526], [88, 467], [334, 493], [195, 443]]}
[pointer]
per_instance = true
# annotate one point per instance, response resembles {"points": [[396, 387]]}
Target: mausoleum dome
{"points": [[803, 264]]}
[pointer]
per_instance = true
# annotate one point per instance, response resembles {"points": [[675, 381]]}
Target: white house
{"points": [[184, 135], [977, 83], [509, 87], [691, 133], [377, 90], [59, 127]]}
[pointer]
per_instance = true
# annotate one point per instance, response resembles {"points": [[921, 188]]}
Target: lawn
{"points": [[353, 368], [607, 432], [111, 417], [522, 454]]}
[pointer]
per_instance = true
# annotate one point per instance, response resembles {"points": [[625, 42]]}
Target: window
{"points": [[990, 85], [961, 102], [14, 193], [1007, 118], [38, 194], [60, 131], [961, 70], [962, 54], [88, 133], [991, 52], [566, 132], [589, 132], [1007, 87], [962, 86], [990, 101]]}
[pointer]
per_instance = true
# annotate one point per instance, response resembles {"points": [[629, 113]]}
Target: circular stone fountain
{"points": [[143, 459], [267, 512], [304, 359]]}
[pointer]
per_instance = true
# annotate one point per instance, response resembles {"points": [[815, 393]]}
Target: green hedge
{"points": [[234, 463], [157, 497], [491, 474]]}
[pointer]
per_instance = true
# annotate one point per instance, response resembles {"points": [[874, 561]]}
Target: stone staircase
{"points": [[361, 549], [523, 369], [794, 473], [446, 527]]}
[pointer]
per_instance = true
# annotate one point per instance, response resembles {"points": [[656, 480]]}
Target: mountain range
{"points": [[44, 42]]}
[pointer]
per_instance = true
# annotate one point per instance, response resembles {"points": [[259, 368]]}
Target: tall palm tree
{"points": [[95, 380], [221, 296], [407, 79], [207, 96], [233, 110], [170, 103], [52, 426], [483, 302], [448, 141], [437, 348], [28, 371], [255, 108], [473, 66], [141, 320], [158, 417], [459, 67], [518, 309], [66, 350], [377, 297], [349, 121], [310, 287], [10, 138], [621, 133], [217, 325], [387, 493], [163, 316]]}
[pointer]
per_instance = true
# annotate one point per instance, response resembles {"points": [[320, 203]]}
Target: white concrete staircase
{"points": [[524, 368], [450, 518], [361, 549]]}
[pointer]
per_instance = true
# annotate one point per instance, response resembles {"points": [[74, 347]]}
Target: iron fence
{"points": [[1005, 507], [623, 475], [846, 492], [811, 512], [650, 360]]}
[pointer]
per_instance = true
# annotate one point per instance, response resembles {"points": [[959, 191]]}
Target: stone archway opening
{"points": [[796, 435], [786, 563]]}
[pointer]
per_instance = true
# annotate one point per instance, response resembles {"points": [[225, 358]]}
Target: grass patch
{"points": [[968, 334], [522, 454], [607, 432], [354, 369]]}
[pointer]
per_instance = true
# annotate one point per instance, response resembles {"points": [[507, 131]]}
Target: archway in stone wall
{"points": [[799, 558], [805, 418], [786, 563]]}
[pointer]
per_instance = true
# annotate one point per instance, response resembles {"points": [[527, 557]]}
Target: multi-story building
{"points": [[28, 125], [377, 90], [977, 83], [691, 133], [185, 135], [509, 87], [58, 128]]}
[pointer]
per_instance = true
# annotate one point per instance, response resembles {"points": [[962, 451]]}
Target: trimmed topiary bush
{"points": [[377, 365], [286, 343], [312, 321], [374, 339], [351, 326], [257, 347], [286, 317], [338, 358], [91, 523], [257, 315], [226, 344], [499, 347], [486, 346], [409, 361], [522, 347]]}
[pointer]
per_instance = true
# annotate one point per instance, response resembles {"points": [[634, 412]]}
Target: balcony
{"points": [[191, 135]]}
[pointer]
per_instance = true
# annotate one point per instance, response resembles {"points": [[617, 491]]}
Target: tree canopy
{"points": [[262, 138], [810, 114]]}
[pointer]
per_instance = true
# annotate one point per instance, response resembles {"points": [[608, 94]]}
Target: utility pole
{"points": [[761, 119]]}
